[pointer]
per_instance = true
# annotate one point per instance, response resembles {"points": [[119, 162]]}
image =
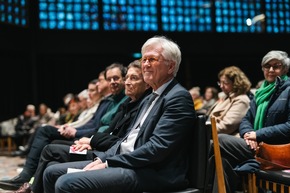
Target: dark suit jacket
{"points": [[160, 158], [88, 128], [102, 141]]}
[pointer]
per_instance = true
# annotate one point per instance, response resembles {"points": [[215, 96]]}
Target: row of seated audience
{"points": [[133, 150], [22, 130], [266, 120], [203, 103]]}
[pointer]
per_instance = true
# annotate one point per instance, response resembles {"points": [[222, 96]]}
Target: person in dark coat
{"points": [[153, 155], [267, 120]]}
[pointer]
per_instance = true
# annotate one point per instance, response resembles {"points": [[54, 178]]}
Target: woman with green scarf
{"points": [[267, 119]]}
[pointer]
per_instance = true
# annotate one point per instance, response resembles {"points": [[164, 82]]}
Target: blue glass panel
{"points": [[60, 7], [60, 15], [218, 20], [86, 25], [43, 25], [69, 25], [51, 24], [69, 7], [78, 16], [208, 19], [52, 16], [95, 26], [51, 7], [218, 12], [173, 27], [77, 8], [232, 29], [2, 18], [84, 17], [86, 8], [61, 25], [43, 15], [78, 25], [10, 19], [16, 21], [69, 16], [23, 22]]}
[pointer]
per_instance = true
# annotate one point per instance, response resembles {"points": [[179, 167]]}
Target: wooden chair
{"points": [[6, 142], [275, 181], [218, 159], [267, 180], [198, 157]]}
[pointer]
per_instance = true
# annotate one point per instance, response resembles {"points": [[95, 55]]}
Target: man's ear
{"points": [[171, 66]]}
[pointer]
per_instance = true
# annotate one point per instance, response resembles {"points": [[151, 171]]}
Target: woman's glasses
{"points": [[276, 66]]}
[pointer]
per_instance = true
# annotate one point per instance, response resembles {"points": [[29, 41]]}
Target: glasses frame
{"points": [[152, 60], [276, 66]]}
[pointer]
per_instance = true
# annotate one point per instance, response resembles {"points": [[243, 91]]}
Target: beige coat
{"points": [[229, 113]]}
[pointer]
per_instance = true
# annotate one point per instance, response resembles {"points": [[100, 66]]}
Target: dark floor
{"points": [[9, 166]]}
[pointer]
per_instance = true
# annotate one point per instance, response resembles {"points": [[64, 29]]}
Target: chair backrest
{"points": [[218, 160], [199, 150], [199, 154]]}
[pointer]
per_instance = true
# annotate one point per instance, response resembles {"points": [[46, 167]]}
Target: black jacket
{"points": [[119, 125]]}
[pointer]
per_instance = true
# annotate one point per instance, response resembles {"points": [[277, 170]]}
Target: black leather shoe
{"points": [[12, 184]]}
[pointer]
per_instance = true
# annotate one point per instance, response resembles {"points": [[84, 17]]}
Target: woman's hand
{"points": [[250, 139]]}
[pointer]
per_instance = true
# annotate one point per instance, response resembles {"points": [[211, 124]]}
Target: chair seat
{"points": [[275, 176], [188, 190]]}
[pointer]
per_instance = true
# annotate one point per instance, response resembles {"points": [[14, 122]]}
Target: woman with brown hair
{"points": [[230, 109]]}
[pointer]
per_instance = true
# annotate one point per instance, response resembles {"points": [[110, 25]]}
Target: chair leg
{"points": [[249, 183], [254, 185], [2, 144], [9, 143]]}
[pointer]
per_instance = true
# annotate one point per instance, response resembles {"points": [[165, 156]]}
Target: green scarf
{"points": [[262, 97]]}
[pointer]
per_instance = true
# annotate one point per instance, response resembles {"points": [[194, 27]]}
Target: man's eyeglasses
{"points": [[276, 66], [150, 60]]}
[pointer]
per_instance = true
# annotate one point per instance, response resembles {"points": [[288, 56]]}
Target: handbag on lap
{"points": [[273, 157]]}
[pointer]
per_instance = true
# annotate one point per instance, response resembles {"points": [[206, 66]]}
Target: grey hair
{"points": [[171, 50], [135, 64], [84, 94], [279, 55]]}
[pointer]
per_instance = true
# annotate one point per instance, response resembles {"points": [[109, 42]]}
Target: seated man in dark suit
{"points": [[153, 155], [137, 90], [114, 78]]}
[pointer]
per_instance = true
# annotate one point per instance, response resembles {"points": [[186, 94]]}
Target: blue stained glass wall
{"points": [[278, 16], [69, 14], [232, 16], [186, 15], [14, 12], [132, 15]]}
